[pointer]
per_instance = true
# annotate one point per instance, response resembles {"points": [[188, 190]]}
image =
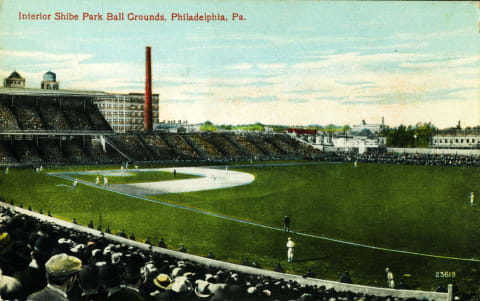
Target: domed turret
{"points": [[50, 76], [50, 81]]}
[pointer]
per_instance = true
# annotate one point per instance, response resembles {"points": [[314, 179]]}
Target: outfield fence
{"points": [[341, 287]]}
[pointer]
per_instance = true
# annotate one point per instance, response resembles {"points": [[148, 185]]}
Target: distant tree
{"points": [[403, 136], [208, 126], [279, 129], [423, 134], [331, 128], [251, 127]]}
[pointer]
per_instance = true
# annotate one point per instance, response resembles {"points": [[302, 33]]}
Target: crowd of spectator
{"points": [[6, 155], [202, 147], [27, 116], [99, 155], [51, 152], [205, 147], [97, 118], [7, 119], [183, 149], [282, 145], [298, 148], [264, 145], [50, 114], [44, 261], [75, 152], [27, 152], [131, 145], [222, 142], [53, 116], [403, 158], [159, 146], [250, 149], [77, 118]]}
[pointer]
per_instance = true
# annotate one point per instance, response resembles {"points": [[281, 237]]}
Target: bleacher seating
{"points": [[223, 143], [184, 150], [50, 151], [76, 116], [7, 119], [159, 146], [250, 149], [281, 144], [6, 156], [295, 147], [95, 150], [99, 122], [132, 146], [201, 147], [210, 151], [74, 152], [53, 116], [27, 152], [27, 115], [269, 149]]}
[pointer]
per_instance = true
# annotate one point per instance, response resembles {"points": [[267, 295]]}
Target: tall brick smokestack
{"points": [[147, 107]]}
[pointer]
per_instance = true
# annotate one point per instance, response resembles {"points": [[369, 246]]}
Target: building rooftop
{"points": [[43, 92], [458, 132], [15, 75], [63, 92]]}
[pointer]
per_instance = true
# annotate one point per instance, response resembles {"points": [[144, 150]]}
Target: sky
{"points": [[288, 62]]}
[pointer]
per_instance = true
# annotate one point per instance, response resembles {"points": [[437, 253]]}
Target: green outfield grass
{"points": [[135, 177], [414, 208]]}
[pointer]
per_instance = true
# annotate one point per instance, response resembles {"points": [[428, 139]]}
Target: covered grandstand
{"points": [[62, 126]]}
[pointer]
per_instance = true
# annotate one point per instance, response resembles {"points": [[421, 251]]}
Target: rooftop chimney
{"points": [[147, 107]]}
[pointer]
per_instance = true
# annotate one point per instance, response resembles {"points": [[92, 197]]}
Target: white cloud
{"points": [[336, 88], [44, 56], [243, 66], [441, 113], [376, 46], [448, 34], [449, 62], [356, 59], [271, 66]]}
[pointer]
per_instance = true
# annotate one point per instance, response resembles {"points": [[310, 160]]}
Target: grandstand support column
{"points": [[147, 107], [450, 292]]}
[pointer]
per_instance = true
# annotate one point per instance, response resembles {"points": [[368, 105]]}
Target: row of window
{"points": [[456, 140], [127, 128], [123, 106]]}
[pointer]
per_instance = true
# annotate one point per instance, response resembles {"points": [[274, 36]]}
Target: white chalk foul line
{"points": [[66, 177]]}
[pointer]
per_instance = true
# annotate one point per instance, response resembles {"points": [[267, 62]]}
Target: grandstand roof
{"points": [[15, 74], [63, 92], [45, 92]]}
